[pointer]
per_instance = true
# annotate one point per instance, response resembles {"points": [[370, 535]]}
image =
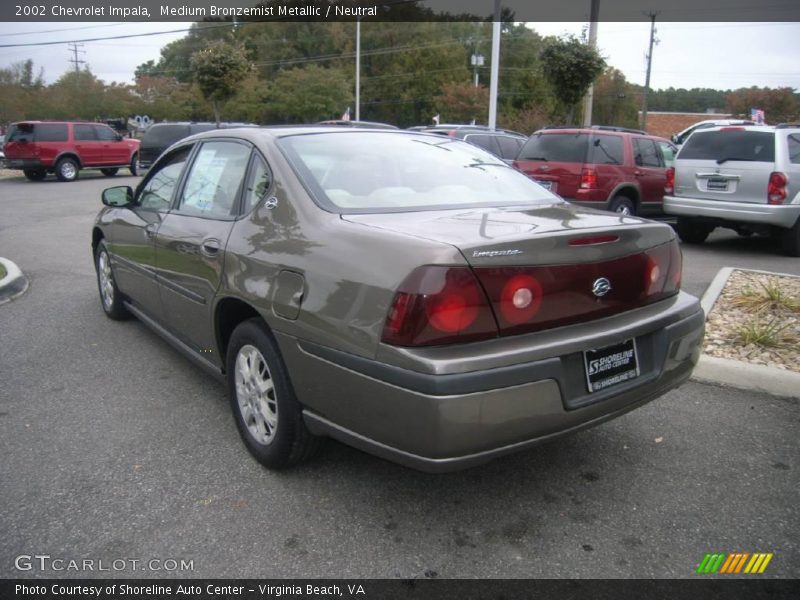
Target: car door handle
{"points": [[150, 230], [210, 247]]}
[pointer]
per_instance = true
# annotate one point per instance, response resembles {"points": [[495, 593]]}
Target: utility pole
{"points": [[495, 71], [358, 69], [594, 15], [652, 16], [74, 60]]}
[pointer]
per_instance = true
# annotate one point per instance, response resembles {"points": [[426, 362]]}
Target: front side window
{"points": [[161, 183], [215, 180], [104, 133], [385, 172]]}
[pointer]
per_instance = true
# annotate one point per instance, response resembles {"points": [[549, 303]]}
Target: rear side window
{"points": [[557, 147], [215, 180], [645, 153], [794, 148], [509, 146], [731, 144], [607, 150], [50, 132]]}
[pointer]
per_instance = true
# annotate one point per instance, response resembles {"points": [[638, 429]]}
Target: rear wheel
{"points": [[35, 174], [109, 172], [67, 169], [266, 411], [791, 240], [622, 205], [692, 231], [134, 166], [110, 298]]}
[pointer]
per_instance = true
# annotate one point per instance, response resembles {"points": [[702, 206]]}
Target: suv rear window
{"points": [[556, 147], [730, 144]]}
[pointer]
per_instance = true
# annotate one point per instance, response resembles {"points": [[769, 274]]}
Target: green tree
{"points": [[462, 103], [219, 68], [613, 103], [780, 105], [570, 66], [309, 94]]}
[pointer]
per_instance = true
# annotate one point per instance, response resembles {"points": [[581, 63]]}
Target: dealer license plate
{"points": [[717, 185], [611, 365], [548, 185]]}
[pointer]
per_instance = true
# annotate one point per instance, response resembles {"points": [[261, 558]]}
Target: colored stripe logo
{"points": [[734, 563]]}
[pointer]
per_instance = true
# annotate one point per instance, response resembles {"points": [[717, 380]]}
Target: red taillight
{"points": [[776, 190], [439, 305], [669, 186], [588, 179]]}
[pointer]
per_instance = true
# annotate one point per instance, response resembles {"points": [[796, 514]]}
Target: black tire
{"points": [[692, 232], [623, 205], [109, 172], [791, 240], [67, 169], [110, 296], [270, 421], [134, 166], [35, 174]]}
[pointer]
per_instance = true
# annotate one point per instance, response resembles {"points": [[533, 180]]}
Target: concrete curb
{"points": [[13, 284], [736, 373]]}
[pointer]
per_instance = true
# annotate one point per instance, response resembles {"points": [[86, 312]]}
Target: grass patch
{"points": [[771, 296], [767, 335]]}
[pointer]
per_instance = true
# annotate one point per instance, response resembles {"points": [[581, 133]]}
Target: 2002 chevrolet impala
{"points": [[410, 295]]}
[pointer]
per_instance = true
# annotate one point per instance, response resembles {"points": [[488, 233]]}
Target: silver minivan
{"points": [[746, 178]]}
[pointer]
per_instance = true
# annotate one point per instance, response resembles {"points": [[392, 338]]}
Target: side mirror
{"points": [[674, 139], [117, 197]]}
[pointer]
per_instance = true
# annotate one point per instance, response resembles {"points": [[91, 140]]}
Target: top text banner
{"points": [[396, 10]]}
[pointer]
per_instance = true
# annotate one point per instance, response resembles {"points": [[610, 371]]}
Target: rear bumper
{"points": [[445, 421], [779, 215], [24, 163]]}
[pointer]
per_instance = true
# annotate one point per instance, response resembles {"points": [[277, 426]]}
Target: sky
{"points": [[710, 55]]}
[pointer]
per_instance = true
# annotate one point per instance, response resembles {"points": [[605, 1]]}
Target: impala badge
{"points": [[601, 287]]}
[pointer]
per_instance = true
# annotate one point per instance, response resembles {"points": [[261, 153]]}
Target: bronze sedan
{"points": [[407, 294]]}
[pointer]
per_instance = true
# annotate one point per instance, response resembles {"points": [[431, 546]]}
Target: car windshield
{"points": [[386, 172]]}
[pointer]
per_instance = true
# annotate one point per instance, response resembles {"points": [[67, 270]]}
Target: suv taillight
{"points": [[439, 305], [669, 186], [588, 179], [776, 190]]}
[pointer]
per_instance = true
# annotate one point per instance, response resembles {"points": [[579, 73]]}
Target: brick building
{"points": [[664, 124]]}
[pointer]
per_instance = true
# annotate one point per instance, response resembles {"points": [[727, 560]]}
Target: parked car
{"points": [[161, 136], [745, 178], [436, 308], [680, 138], [66, 147], [611, 168], [501, 142]]}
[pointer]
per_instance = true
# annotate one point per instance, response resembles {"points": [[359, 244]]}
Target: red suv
{"points": [[611, 168], [64, 148]]}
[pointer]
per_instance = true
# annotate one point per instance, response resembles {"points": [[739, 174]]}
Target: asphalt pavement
{"points": [[115, 448]]}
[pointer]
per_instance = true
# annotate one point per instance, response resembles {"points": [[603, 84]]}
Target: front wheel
{"points": [[692, 231], [67, 169], [134, 166], [267, 414], [109, 172], [110, 297], [622, 205]]}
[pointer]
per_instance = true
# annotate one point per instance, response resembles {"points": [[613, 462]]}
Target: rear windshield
{"points": [[556, 147], [38, 132], [164, 135], [373, 171], [730, 144]]}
